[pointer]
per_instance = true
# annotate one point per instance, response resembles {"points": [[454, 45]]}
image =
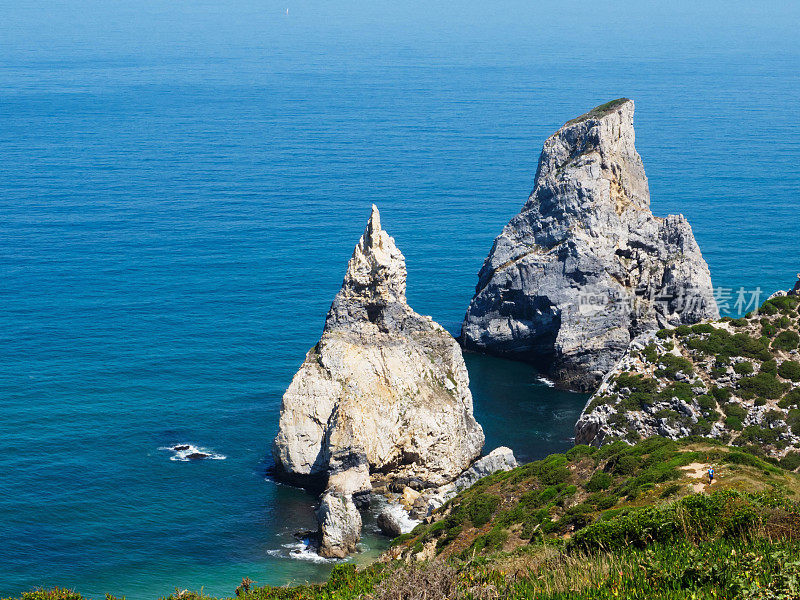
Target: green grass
{"points": [[599, 111]]}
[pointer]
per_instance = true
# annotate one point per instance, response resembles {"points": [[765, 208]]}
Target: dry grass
{"points": [[437, 580]]}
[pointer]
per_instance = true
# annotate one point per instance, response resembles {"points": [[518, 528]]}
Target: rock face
{"points": [[499, 459], [585, 266], [384, 391]]}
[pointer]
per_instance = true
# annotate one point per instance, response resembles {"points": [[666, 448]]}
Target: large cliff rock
{"points": [[585, 266], [384, 391], [383, 381], [736, 380]]}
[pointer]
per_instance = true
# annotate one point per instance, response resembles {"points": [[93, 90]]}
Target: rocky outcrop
{"points": [[384, 391], [735, 380], [499, 459], [389, 523], [585, 267], [339, 525]]}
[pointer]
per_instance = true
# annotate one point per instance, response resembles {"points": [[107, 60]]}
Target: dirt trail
{"points": [[698, 471]]}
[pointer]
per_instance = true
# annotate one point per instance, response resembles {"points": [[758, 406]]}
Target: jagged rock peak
{"points": [[374, 287], [384, 391], [585, 266]]}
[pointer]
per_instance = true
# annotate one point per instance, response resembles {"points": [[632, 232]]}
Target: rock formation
{"points": [[384, 391], [499, 459], [585, 266], [339, 525]]}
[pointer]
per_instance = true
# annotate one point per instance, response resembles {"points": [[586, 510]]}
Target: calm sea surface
{"points": [[181, 185]]}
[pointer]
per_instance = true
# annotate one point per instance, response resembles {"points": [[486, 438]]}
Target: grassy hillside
{"points": [[621, 521], [737, 380]]}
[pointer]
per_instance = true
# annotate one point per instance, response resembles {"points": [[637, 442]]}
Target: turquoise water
{"points": [[182, 185]]}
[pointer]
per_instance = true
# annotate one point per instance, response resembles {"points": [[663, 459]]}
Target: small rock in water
{"points": [[389, 524], [181, 447], [197, 455]]}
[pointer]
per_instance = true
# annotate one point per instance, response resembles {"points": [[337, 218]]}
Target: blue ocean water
{"points": [[183, 183]]}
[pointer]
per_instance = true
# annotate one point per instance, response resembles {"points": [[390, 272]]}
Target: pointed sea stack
{"points": [[385, 389], [585, 266]]}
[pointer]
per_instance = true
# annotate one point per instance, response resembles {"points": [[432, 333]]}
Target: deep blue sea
{"points": [[182, 183]]}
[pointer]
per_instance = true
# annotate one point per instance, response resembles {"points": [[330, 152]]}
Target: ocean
{"points": [[183, 183]]}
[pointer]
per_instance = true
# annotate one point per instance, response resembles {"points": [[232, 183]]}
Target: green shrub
{"points": [[552, 470], [734, 423], [768, 309], [650, 353], [480, 508], [706, 402], [784, 303], [769, 366], [702, 427], [577, 452], [624, 465], [765, 385], [791, 399], [734, 409], [721, 393], [671, 365], [679, 390], [753, 434], [683, 330], [743, 368], [703, 328], [768, 328], [697, 516], [790, 369], [599, 481], [671, 490], [786, 340], [791, 461]]}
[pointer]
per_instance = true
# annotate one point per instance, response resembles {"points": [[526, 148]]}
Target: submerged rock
{"points": [[384, 391], [585, 266]]}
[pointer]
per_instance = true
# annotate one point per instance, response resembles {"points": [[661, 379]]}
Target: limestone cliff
{"points": [[585, 266], [736, 380], [384, 391]]}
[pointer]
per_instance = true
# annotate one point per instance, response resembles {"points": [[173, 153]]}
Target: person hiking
{"points": [[710, 475]]}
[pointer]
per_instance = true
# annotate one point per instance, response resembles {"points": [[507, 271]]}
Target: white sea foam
{"points": [[545, 381], [189, 452], [300, 550]]}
